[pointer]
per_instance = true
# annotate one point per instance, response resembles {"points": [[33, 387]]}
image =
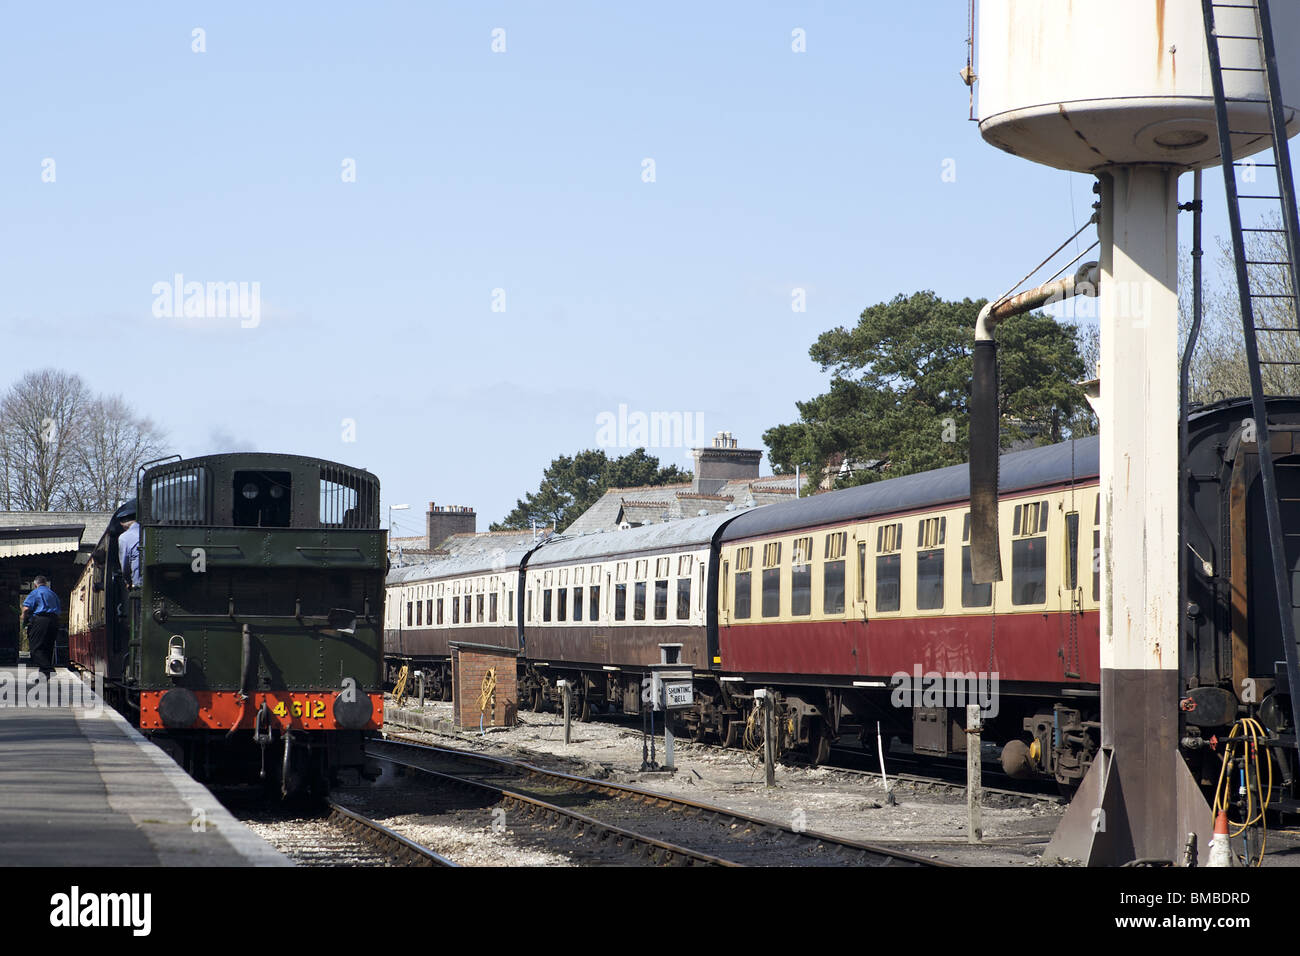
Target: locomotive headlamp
{"points": [[250, 490], [175, 663], [277, 492]]}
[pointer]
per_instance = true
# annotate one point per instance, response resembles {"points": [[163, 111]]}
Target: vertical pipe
{"points": [[1184, 396]]}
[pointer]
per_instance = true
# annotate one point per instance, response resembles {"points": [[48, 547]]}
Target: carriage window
{"points": [[492, 608], [546, 605], [972, 594], [419, 614], [889, 567], [410, 611], [529, 609], [564, 605], [593, 610], [428, 610], [263, 499], [638, 601], [888, 582], [1029, 571], [1072, 550], [744, 591], [455, 610], [833, 587], [862, 571], [478, 607], [929, 579], [801, 577], [467, 609], [771, 592], [683, 598], [510, 606], [577, 603], [661, 600], [439, 611], [771, 579], [620, 602]]}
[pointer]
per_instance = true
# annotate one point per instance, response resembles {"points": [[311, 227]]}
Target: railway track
{"points": [[663, 829], [935, 779], [337, 836]]}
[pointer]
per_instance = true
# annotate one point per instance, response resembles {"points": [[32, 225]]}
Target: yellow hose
{"points": [[399, 689], [489, 688], [1246, 733]]}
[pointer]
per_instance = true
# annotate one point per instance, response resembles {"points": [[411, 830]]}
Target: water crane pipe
{"points": [[986, 554]]}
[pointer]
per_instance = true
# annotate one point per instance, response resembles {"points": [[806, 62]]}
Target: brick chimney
{"points": [[723, 462], [445, 520]]}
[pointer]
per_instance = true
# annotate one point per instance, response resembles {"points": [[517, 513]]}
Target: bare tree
{"points": [[1218, 368], [113, 443], [40, 418], [62, 448]]}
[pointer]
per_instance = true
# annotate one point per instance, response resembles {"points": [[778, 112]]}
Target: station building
{"points": [[55, 544]]}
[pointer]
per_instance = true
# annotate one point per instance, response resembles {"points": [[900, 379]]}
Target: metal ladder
{"points": [[1281, 336]]}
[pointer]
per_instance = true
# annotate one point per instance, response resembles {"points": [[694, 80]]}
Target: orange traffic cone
{"points": [[1220, 850]]}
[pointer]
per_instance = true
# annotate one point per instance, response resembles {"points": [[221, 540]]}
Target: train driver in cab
{"points": [[128, 548]]}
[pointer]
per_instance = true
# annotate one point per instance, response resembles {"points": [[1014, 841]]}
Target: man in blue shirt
{"points": [[44, 607], [128, 549]]}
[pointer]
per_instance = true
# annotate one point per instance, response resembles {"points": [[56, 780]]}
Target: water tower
{"points": [[1122, 89]]}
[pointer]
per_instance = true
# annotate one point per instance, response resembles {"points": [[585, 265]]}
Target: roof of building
{"points": [[1020, 471], [94, 523]]}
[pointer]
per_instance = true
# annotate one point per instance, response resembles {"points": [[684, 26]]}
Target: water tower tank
{"points": [[1082, 84]]}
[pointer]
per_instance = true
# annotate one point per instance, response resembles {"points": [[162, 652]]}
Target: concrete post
{"points": [[568, 721], [974, 773], [1138, 800]]}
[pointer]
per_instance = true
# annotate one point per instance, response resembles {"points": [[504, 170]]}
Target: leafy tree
{"points": [[572, 485], [900, 389]]}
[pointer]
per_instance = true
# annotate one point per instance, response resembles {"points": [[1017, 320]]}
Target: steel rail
{"points": [[407, 852], [869, 854]]}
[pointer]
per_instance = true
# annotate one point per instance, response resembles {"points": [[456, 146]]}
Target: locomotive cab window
{"points": [[262, 499]]}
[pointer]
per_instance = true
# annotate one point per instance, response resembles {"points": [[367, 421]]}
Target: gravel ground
{"points": [[315, 842], [849, 805]]}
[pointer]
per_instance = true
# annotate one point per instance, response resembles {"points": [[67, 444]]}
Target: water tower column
{"points": [[1139, 800]]}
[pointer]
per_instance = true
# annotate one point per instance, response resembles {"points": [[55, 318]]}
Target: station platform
{"points": [[79, 786]]}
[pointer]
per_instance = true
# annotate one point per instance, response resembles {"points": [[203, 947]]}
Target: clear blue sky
{"points": [[476, 171]]}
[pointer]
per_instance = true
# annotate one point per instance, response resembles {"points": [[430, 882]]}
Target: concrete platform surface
{"points": [[79, 786]]}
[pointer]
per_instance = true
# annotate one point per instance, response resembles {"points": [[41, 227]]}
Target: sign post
{"points": [[671, 688]]}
